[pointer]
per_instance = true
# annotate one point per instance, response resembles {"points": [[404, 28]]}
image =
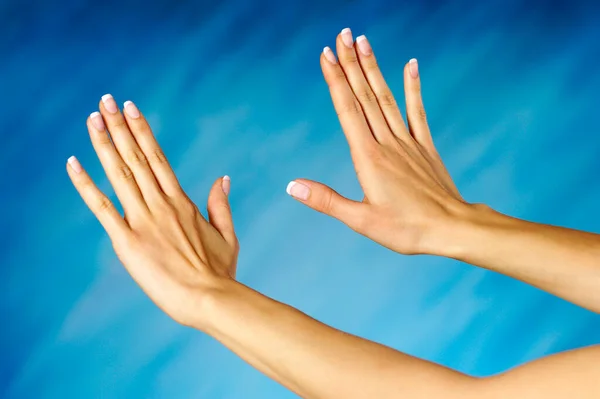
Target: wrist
{"points": [[214, 297], [463, 227]]}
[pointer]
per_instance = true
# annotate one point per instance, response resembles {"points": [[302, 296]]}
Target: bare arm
{"points": [[186, 264], [561, 261], [317, 361], [570, 374], [411, 204]]}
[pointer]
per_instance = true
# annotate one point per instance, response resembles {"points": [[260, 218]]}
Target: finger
{"points": [[419, 128], [99, 204], [415, 111], [384, 95], [219, 211], [353, 122], [360, 87], [325, 200], [156, 158], [128, 149], [117, 171], [150, 278]]}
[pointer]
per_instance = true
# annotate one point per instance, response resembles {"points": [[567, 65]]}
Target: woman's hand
{"points": [[408, 193], [170, 250]]}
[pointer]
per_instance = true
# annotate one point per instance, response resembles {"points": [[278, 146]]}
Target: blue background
{"points": [[234, 87]]}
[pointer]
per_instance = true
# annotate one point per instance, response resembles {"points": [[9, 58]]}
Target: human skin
{"points": [[186, 264], [411, 204]]}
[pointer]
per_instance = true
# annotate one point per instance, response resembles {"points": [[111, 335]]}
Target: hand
{"points": [[408, 193], [170, 250]]}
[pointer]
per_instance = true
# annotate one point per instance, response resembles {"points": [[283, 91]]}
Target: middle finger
{"points": [[360, 86], [128, 149], [116, 170]]}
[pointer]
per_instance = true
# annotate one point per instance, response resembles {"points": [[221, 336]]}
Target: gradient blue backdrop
{"points": [[512, 91]]}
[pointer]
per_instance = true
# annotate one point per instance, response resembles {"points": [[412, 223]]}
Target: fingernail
{"points": [[131, 109], [363, 45], [329, 55], [298, 190], [226, 184], [109, 103], [74, 163], [413, 67], [97, 121], [347, 37]]}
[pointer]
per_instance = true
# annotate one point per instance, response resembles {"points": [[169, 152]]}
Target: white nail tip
{"points": [[226, 177], [93, 114], [345, 30], [361, 38], [71, 159], [413, 60], [289, 187], [106, 97], [126, 103]]}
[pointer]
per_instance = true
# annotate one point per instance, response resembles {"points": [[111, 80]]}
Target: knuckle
{"points": [[386, 99], [166, 210], [188, 208], [326, 202], [164, 204], [365, 95], [135, 157], [104, 205], [421, 114], [349, 108], [124, 172], [157, 157], [349, 58]]}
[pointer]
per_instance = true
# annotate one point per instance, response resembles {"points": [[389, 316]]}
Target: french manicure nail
{"points": [[363, 45], [329, 55], [347, 37], [131, 109], [97, 121], [226, 184], [298, 190], [109, 103], [413, 67], [74, 163]]}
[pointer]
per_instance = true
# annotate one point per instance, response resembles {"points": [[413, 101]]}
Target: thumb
{"points": [[219, 212], [326, 200]]}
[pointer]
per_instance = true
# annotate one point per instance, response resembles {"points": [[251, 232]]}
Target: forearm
{"points": [[561, 261], [315, 360]]}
